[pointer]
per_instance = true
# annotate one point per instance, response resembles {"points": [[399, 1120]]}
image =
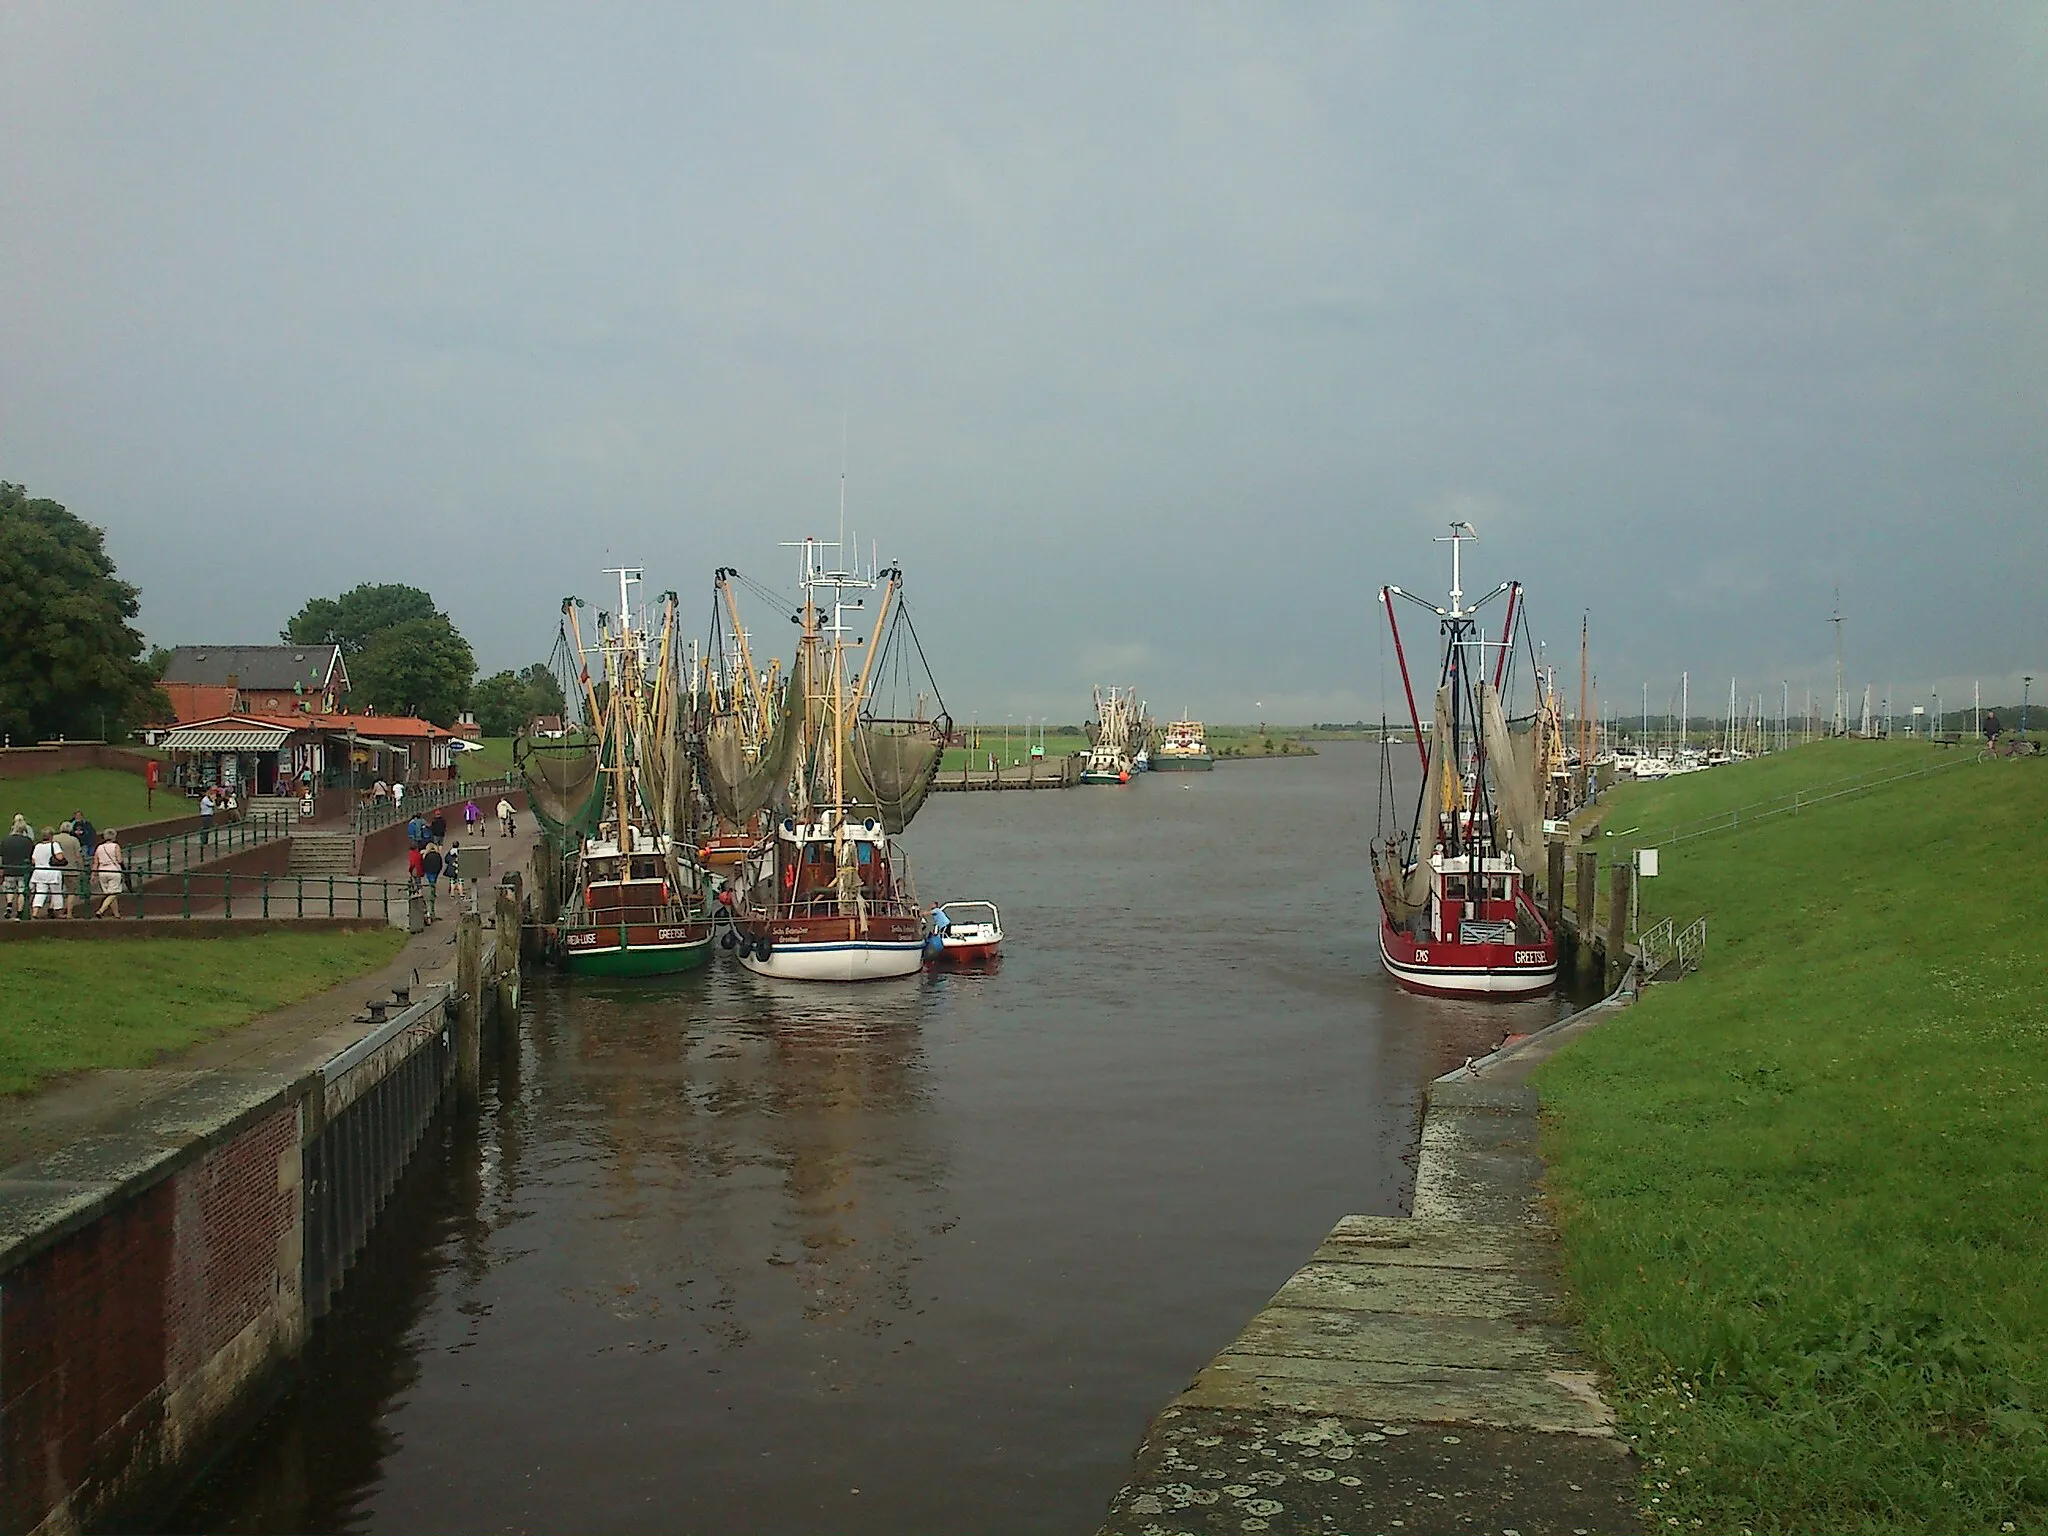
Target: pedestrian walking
{"points": [[437, 829], [414, 868], [430, 871], [76, 872], [110, 871], [504, 817], [88, 836], [46, 874], [472, 819], [16, 861], [207, 806], [452, 869], [397, 794], [379, 792]]}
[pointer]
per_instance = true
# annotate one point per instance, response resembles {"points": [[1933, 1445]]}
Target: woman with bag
{"points": [[110, 870]]}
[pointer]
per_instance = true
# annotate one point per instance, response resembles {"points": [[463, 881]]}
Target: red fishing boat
{"points": [[1457, 918]]}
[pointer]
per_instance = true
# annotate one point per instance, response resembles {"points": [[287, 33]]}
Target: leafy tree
{"points": [[70, 662], [500, 702], [543, 691], [418, 666], [357, 617]]}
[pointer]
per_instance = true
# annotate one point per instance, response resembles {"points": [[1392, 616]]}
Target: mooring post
{"points": [[1553, 885], [469, 987], [1620, 888], [1589, 885], [507, 979]]}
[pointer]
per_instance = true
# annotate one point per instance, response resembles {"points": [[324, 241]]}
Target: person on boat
{"points": [[941, 924]]}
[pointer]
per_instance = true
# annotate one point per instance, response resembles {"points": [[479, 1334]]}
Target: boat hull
{"points": [[1105, 778], [1204, 764], [851, 960], [980, 952], [635, 950], [1438, 968]]}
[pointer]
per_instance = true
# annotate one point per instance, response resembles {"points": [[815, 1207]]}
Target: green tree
{"points": [[500, 702], [543, 691], [70, 662], [419, 666], [357, 617]]}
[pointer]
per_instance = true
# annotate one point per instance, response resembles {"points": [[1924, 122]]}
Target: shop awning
{"points": [[202, 739], [367, 741]]}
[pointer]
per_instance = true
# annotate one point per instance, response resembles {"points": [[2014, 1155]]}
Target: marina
{"points": [[950, 1242]]}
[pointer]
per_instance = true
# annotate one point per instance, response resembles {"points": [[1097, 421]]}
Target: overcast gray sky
{"points": [[1162, 334]]}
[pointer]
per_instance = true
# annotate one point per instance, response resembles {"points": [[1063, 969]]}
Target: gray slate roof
{"points": [[257, 666]]}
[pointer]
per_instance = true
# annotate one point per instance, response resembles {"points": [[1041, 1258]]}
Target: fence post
{"points": [[265, 893], [1583, 903], [469, 983], [1553, 884], [227, 894]]}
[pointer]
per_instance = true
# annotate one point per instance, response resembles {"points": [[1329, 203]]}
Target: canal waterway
{"points": [[728, 1255]]}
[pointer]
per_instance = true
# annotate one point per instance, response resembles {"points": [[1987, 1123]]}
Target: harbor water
{"points": [[727, 1255]]}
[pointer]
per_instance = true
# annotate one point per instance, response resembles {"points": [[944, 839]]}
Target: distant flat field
{"points": [[128, 1002]]}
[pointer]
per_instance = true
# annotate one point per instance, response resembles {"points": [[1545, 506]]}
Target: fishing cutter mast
{"points": [[1456, 916]]}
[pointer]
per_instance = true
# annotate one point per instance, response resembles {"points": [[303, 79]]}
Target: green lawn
{"points": [[494, 762], [1801, 1192], [108, 797], [128, 1002], [1013, 754]]}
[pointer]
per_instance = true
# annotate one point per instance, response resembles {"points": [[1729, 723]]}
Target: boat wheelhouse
{"points": [[625, 917], [1456, 915], [1184, 748]]}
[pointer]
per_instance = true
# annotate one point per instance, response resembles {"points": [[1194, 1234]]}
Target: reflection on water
{"points": [[734, 1255]]}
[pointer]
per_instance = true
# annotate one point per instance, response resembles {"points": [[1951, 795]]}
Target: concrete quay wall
{"points": [[158, 1279]]}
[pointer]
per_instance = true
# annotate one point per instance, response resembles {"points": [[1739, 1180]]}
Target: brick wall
{"points": [[33, 762], [127, 1343]]}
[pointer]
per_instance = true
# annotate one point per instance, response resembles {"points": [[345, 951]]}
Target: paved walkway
{"points": [[1419, 1375], [295, 1039]]}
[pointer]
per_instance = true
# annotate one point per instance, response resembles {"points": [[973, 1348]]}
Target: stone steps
{"points": [[323, 853]]}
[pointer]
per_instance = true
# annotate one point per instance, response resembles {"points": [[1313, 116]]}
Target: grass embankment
{"points": [[493, 762], [109, 798], [1801, 1191], [128, 1002], [1011, 754], [1236, 741]]}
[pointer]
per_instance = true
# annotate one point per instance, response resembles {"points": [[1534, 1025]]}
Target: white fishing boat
{"points": [[827, 896]]}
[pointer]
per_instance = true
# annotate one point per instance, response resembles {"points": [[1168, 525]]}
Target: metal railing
{"points": [[1667, 953], [189, 850], [200, 893], [426, 797]]}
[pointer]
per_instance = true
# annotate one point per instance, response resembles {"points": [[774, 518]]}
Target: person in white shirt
{"points": [[46, 878], [504, 818], [398, 796]]}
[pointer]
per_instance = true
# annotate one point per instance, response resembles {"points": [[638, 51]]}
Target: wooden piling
{"points": [[507, 979], [1553, 884], [469, 986], [1620, 887], [1589, 887]]}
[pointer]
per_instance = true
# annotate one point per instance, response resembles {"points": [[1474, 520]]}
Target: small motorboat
{"points": [[972, 934]]}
